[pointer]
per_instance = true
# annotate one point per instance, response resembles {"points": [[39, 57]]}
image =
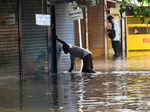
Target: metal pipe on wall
{"points": [[123, 32], [87, 30], [52, 47], [19, 14], [80, 35], [105, 24]]}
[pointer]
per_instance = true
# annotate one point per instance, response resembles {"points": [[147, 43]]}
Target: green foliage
{"points": [[123, 6], [139, 0], [141, 10]]}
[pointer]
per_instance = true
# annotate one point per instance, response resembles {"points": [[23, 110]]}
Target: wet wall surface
{"points": [[76, 92]]}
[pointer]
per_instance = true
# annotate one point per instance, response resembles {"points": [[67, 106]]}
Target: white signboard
{"points": [[76, 14], [10, 19], [42, 19]]}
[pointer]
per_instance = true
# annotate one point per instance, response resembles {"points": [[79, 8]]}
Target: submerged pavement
{"points": [[114, 92], [137, 63], [118, 86]]}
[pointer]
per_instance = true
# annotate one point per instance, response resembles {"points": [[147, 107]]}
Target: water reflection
{"points": [[9, 95], [62, 97], [117, 93], [105, 92], [35, 97], [135, 63]]}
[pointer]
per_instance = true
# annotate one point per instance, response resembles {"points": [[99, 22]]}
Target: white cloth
{"points": [[77, 52], [116, 27]]}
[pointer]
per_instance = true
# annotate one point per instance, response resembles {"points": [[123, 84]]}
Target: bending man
{"points": [[77, 52]]}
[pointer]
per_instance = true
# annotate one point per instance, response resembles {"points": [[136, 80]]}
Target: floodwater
{"points": [[119, 90], [113, 92]]}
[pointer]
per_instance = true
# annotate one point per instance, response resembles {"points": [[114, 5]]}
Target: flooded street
{"points": [[78, 93], [121, 89]]}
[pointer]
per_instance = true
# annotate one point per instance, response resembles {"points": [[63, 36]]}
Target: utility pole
{"points": [[87, 30], [52, 41]]}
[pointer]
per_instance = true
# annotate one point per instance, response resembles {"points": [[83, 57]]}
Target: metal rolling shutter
{"points": [[9, 51], [65, 31], [34, 38]]}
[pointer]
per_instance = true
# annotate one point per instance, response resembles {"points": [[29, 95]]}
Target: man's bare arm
{"points": [[60, 41]]}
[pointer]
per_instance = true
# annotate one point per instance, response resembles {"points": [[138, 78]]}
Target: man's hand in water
{"points": [[71, 68]]}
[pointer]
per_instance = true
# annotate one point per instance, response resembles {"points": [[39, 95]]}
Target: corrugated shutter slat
{"points": [[34, 38], [9, 50]]}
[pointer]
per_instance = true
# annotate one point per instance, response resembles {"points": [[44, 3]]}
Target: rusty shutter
{"points": [[9, 55], [34, 38]]}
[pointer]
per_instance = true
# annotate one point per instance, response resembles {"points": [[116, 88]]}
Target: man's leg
{"points": [[119, 48], [113, 46], [116, 47], [88, 64], [90, 59], [84, 68]]}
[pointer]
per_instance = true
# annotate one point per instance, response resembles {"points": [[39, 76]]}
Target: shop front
{"points": [[23, 44], [9, 38], [93, 29], [137, 37]]}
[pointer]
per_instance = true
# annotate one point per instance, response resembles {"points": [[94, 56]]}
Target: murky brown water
{"points": [[137, 63], [101, 92]]}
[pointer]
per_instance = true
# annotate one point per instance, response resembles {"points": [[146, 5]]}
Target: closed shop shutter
{"points": [[9, 55], [9, 51], [65, 31], [34, 38]]}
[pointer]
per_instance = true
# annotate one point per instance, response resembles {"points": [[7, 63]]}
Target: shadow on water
{"points": [[76, 92]]}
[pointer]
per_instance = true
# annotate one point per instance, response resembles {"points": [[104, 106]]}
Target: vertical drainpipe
{"points": [[123, 35], [19, 13], [80, 39], [87, 30], [105, 35], [52, 41], [80, 35]]}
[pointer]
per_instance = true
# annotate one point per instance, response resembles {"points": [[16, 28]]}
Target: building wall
{"points": [[96, 29], [96, 34]]}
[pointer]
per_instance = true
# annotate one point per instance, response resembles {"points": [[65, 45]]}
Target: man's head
{"points": [[66, 48], [110, 18]]}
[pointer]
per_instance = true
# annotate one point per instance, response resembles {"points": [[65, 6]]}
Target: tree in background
{"points": [[141, 8]]}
